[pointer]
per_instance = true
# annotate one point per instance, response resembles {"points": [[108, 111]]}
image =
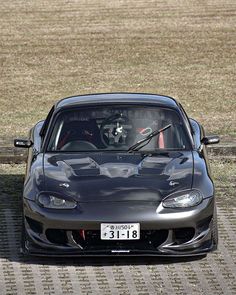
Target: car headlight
{"points": [[183, 199], [55, 202]]}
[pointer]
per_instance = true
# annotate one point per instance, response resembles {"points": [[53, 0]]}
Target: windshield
{"points": [[117, 128]]}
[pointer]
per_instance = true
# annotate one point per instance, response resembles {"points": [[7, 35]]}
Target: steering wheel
{"points": [[114, 130]]}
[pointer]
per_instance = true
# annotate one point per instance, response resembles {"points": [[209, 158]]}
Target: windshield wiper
{"points": [[138, 145]]}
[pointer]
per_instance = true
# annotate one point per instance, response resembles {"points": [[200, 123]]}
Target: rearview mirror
{"points": [[23, 143], [213, 139]]}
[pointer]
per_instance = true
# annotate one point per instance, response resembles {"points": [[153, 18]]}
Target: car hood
{"points": [[116, 177]]}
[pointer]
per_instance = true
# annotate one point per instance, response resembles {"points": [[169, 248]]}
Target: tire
{"points": [[23, 237], [215, 237]]}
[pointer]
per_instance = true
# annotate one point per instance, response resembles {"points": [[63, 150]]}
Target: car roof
{"points": [[119, 97]]}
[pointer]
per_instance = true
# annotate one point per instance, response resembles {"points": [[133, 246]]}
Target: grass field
{"points": [[52, 49]]}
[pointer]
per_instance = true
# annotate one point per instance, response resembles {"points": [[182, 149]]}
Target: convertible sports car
{"points": [[118, 174]]}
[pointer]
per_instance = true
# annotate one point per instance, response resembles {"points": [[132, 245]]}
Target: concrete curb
{"points": [[12, 155]]}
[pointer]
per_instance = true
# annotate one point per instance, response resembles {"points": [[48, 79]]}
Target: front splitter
{"points": [[33, 251]]}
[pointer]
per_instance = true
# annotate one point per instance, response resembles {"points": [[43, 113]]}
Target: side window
{"points": [[188, 124], [196, 133], [46, 123], [185, 117]]}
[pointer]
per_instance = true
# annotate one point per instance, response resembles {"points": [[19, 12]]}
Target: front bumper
{"points": [[164, 232]]}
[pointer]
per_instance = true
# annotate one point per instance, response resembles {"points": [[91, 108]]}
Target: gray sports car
{"points": [[118, 174]]}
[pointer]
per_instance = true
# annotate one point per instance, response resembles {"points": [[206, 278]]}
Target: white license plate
{"points": [[120, 231]]}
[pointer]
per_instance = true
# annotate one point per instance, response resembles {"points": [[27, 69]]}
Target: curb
{"points": [[222, 150], [12, 155]]}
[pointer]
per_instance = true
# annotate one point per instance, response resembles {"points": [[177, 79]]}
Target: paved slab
{"points": [[215, 274]]}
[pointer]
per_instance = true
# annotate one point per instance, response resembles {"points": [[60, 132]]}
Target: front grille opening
{"points": [[158, 237], [149, 239], [204, 224], [57, 236], [183, 235], [79, 237], [34, 225]]}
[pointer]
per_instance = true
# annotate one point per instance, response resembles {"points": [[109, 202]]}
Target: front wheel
{"points": [[215, 237], [23, 237]]}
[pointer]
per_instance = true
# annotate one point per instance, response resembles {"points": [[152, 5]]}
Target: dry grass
{"points": [[52, 49]]}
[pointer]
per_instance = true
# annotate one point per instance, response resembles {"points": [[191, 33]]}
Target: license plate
{"points": [[120, 231]]}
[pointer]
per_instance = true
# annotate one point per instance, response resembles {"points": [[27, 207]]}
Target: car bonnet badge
{"points": [[173, 183], [64, 184]]}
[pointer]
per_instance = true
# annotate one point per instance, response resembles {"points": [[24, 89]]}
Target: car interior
{"points": [[114, 128]]}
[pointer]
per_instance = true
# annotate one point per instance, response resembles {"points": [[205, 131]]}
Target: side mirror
{"points": [[213, 139], [22, 143]]}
